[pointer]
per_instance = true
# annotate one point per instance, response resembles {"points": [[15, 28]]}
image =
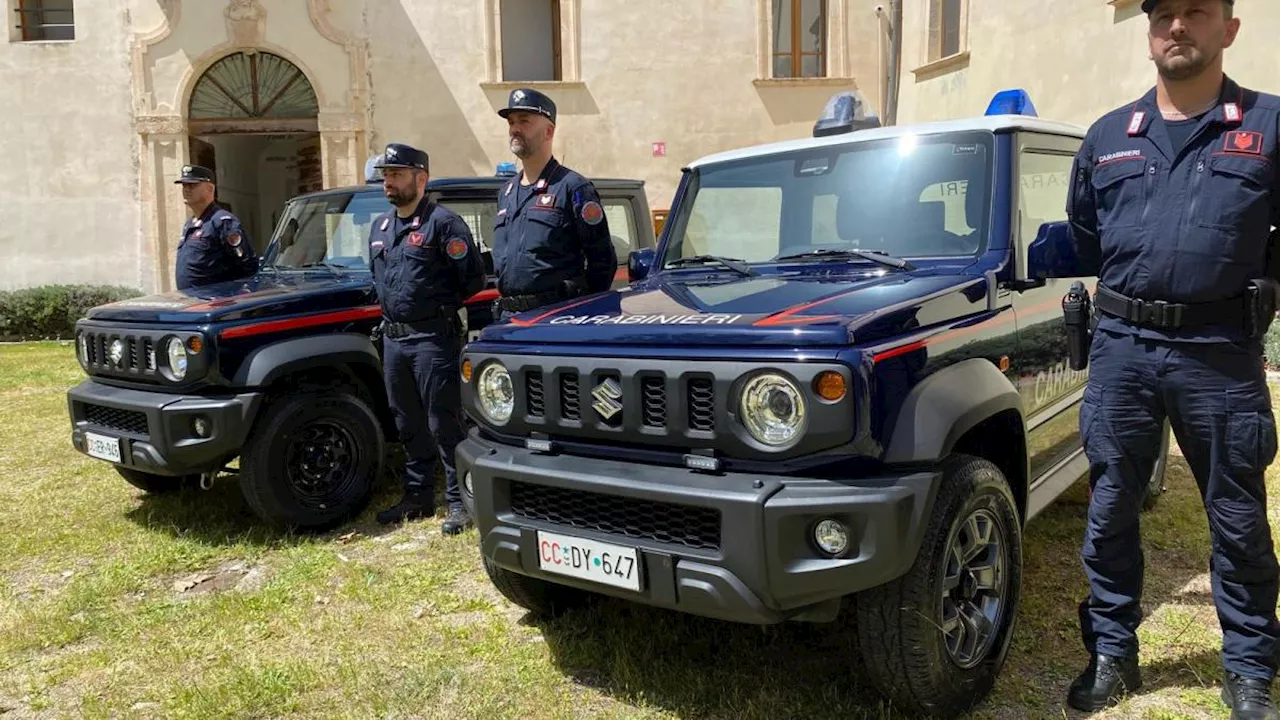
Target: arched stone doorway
{"points": [[252, 118]]}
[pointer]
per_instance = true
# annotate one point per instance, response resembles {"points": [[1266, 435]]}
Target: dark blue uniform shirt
{"points": [[1185, 224], [424, 265], [213, 249], [552, 231]]}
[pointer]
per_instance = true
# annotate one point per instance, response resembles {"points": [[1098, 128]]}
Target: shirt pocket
{"points": [[1237, 196], [1122, 188]]}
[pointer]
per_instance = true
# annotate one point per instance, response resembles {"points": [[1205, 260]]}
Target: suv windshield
{"points": [[327, 229], [923, 196]]}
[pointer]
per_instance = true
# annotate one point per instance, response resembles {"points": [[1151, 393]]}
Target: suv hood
{"points": [[813, 309], [263, 295]]}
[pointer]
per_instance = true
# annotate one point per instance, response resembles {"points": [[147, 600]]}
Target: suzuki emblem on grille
{"points": [[608, 395], [116, 352]]}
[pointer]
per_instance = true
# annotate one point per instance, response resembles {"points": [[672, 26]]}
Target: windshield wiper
{"points": [[734, 264], [872, 255], [336, 268]]}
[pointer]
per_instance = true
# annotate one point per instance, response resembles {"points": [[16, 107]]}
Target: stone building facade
{"points": [[109, 98]]}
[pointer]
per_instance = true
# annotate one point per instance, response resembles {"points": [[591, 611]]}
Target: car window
{"points": [[621, 227], [479, 215]]}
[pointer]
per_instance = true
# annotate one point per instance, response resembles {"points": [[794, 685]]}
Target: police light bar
{"points": [[372, 174], [1012, 102], [844, 112], [506, 169]]}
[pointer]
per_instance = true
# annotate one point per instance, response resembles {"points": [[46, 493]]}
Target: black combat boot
{"points": [[1248, 698], [414, 505], [457, 522], [1106, 680]]}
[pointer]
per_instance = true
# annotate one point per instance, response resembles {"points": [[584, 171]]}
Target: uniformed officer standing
{"points": [[551, 240], [1171, 205], [213, 247], [425, 264]]}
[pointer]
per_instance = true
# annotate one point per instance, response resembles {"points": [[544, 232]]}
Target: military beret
{"points": [[399, 155], [1149, 5], [192, 174], [532, 101]]}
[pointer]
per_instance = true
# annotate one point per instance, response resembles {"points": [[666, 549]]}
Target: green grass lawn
{"points": [[117, 604]]}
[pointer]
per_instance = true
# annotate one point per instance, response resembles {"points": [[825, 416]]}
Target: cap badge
{"points": [[518, 96]]}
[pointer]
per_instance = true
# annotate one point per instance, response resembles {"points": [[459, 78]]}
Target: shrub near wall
{"points": [[50, 312]]}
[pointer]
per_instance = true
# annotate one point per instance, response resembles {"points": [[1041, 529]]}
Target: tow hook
{"points": [[206, 480]]}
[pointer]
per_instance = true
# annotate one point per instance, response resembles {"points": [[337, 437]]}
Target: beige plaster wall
{"points": [[658, 71], [69, 156], [1077, 59]]}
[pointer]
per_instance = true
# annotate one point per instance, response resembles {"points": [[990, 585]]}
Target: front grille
{"points": [[537, 400], [137, 353], [670, 523], [130, 421], [702, 404], [654, 392], [569, 405]]}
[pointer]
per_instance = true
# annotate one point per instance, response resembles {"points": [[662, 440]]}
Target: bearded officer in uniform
{"points": [[425, 265], [551, 240], [214, 247]]}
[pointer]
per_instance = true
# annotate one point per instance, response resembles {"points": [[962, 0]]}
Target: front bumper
{"points": [[731, 546], [155, 429]]}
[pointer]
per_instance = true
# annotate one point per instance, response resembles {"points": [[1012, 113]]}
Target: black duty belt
{"points": [[521, 303], [1162, 315], [442, 320]]}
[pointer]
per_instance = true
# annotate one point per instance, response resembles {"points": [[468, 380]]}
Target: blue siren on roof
{"points": [[844, 112], [371, 173], [1012, 102], [506, 169]]}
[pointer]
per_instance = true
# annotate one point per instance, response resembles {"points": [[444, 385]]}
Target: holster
{"points": [[1262, 302], [1077, 311]]}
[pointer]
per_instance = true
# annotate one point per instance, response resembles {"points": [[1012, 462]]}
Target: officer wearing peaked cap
{"points": [[213, 247], [551, 240], [425, 265], [1171, 205]]}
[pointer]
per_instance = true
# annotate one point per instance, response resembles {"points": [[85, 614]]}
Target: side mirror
{"points": [[1052, 254], [639, 263]]}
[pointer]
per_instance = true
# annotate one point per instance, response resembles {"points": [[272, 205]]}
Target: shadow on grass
{"points": [[221, 515], [697, 667]]}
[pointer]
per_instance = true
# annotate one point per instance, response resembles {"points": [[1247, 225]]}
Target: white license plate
{"points": [[589, 560], [103, 447]]}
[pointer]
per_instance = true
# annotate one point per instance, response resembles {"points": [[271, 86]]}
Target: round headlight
{"points": [[177, 358], [773, 409], [497, 396]]}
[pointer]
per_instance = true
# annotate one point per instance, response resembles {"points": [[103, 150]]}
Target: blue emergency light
{"points": [[372, 174], [844, 112], [1012, 102], [506, 169]]}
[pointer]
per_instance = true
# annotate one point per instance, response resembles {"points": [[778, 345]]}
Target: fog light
{"points": [[832, 537], [466, 483], [201, 427]]}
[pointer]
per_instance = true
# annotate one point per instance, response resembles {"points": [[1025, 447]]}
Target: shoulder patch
{"points": [[456, 248], [592, 213]]}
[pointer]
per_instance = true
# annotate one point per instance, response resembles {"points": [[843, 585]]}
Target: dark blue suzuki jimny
{"points": [[840, 376]]}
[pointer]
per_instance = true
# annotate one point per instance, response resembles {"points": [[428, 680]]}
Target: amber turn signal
{"points": [[466, 371], [830, 385], [195, 344]]}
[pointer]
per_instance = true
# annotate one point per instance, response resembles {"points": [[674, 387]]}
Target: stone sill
{"points": [[535, 85], [951, 62], [1121, 4], [41, 42], [805, 82]]}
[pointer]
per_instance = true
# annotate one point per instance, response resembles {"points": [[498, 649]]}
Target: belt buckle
{"points": [[1161, 313]]}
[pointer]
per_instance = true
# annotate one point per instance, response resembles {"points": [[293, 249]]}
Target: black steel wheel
{"points": [[312, 459]]}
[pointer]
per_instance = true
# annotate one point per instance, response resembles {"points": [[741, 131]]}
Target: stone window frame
{"points": [[17, 14], [570, 47], [929, 64], [839, 69]]}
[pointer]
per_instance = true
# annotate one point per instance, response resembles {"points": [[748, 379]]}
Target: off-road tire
{"points": [[900, 629], [539, 597], [157, 484], [1156, 486], [284, 430]]}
